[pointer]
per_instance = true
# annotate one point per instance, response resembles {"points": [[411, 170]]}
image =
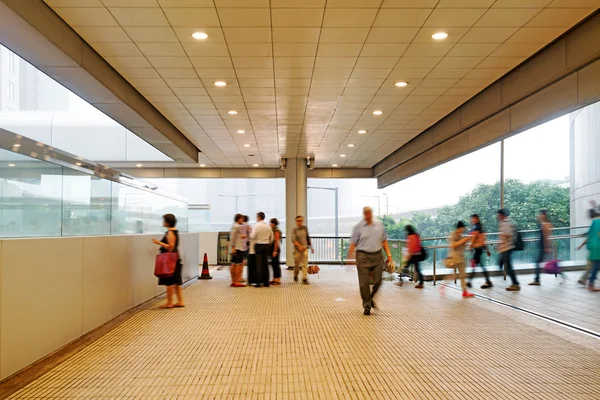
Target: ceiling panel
{"points": [[303, 77]]}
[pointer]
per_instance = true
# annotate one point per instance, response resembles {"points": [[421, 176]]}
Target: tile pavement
{"points": [[312, 342]]}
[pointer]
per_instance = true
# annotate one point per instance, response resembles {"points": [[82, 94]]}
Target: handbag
{"points": [[313, 269], [552, 267], [165, 264]]}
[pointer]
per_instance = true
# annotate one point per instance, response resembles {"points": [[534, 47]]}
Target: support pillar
{"points": [[296, 200]]}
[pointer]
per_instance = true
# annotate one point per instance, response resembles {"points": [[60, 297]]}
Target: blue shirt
{"points": [[368, 237]]}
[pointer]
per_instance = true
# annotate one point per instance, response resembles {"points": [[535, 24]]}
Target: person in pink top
{"points": [[415, 252]]}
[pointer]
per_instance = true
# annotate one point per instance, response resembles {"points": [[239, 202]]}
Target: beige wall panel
{"points": [[588, 83], [446, 128], [488, 131], [249, 173], [481, 106], [107, 281], [535, 73], [544, 105], [142, 254], [583, 44], [190, 255], [41, 299]]}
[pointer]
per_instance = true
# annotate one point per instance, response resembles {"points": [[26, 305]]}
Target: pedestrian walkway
{"points": [[312, 342]]}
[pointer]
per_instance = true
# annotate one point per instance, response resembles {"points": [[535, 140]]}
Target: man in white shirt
{"points": [[262, 236], [506, 247]]}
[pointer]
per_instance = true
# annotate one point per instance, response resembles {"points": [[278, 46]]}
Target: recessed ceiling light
{"points": [[350, 145], [255, 165], [334, 165], [202, 165], [139, 165], [401, 84], [246, 145], [78, 164], [220, 83], [362, 132], [241, 131], [439, 35], [342, 155], [231, 112], [16, 145], [377, 112], [199, 35], [11, 165]]}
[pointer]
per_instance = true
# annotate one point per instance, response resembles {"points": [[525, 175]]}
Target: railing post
{"points": [[343, 251], [434, 261]]}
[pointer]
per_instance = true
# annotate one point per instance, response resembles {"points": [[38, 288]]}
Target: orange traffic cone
{"points": [[205, 271]]}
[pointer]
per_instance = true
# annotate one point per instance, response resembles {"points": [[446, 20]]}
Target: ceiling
{"points": [[306, 75]]}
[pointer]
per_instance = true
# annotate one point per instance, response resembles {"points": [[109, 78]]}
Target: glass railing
{"points": [[334, 250], [45, 193]]}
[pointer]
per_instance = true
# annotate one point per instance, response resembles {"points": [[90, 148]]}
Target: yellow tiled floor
{"points": [[312, 342]]}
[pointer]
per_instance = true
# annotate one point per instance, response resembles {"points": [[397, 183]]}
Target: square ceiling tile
{"points": [[521, 3], [238, 17], [298, 3], [302, 17], [103, 34], [376, 62], [206, 49], [170, 62], [349, 17], [77, 17], [465, 3], [464, 17], [294, 62], [211, 62], [152, 34], [459, 62], [574, 4], [454, 34], [247, 35], [295, 49], [192, 17], [296, 35], [250, 49], [242, 3], [418, 62], [184, 73], [139, 16], [536, 35], [392, 35], [334, 62], [343, 35], [130, 3], [339, 49], [253, 62], [517, 49], [117, 49], [428, 50], [369, 73], [491, 74], [401, 18], [409, 4], [184, 34], [383, 49], [506, 17], [162, 49], [501, 62], [472, 49], [128, 62], [409, 73], [185, 3], [560, 17], [444, 73], [488, 35]]}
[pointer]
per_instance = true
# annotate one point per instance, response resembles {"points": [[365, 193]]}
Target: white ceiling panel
{"points": [[303, 77]]}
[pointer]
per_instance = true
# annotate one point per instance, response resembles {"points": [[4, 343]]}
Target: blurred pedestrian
{"points": [[458, 244], [414, 253], [302, 243], [275, 250], [585, 275], [478, 245], [545, 249], [170, 243], [262, 234], [239, 250], [593, 246], [367, 240], [506, 247]]}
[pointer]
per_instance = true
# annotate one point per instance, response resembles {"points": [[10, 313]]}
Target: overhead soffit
{"points": [[305, 75]]}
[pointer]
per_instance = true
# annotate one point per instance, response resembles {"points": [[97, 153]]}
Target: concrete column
{"points": [[295, 200]]}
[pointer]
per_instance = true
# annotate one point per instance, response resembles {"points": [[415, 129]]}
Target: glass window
{"points": [[127, 209], [86, 204], [30, 197]]}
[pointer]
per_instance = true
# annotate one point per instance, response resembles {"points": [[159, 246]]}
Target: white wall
{"points": [[54, 290], [209, 245]]}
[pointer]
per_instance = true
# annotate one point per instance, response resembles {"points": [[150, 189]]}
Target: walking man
{"points": [[262, 235], [506, 247], [301, 240], [367, 240]]}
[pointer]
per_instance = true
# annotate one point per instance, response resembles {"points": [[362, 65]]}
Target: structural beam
{"points": [[561, 78], [36, 33]]}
